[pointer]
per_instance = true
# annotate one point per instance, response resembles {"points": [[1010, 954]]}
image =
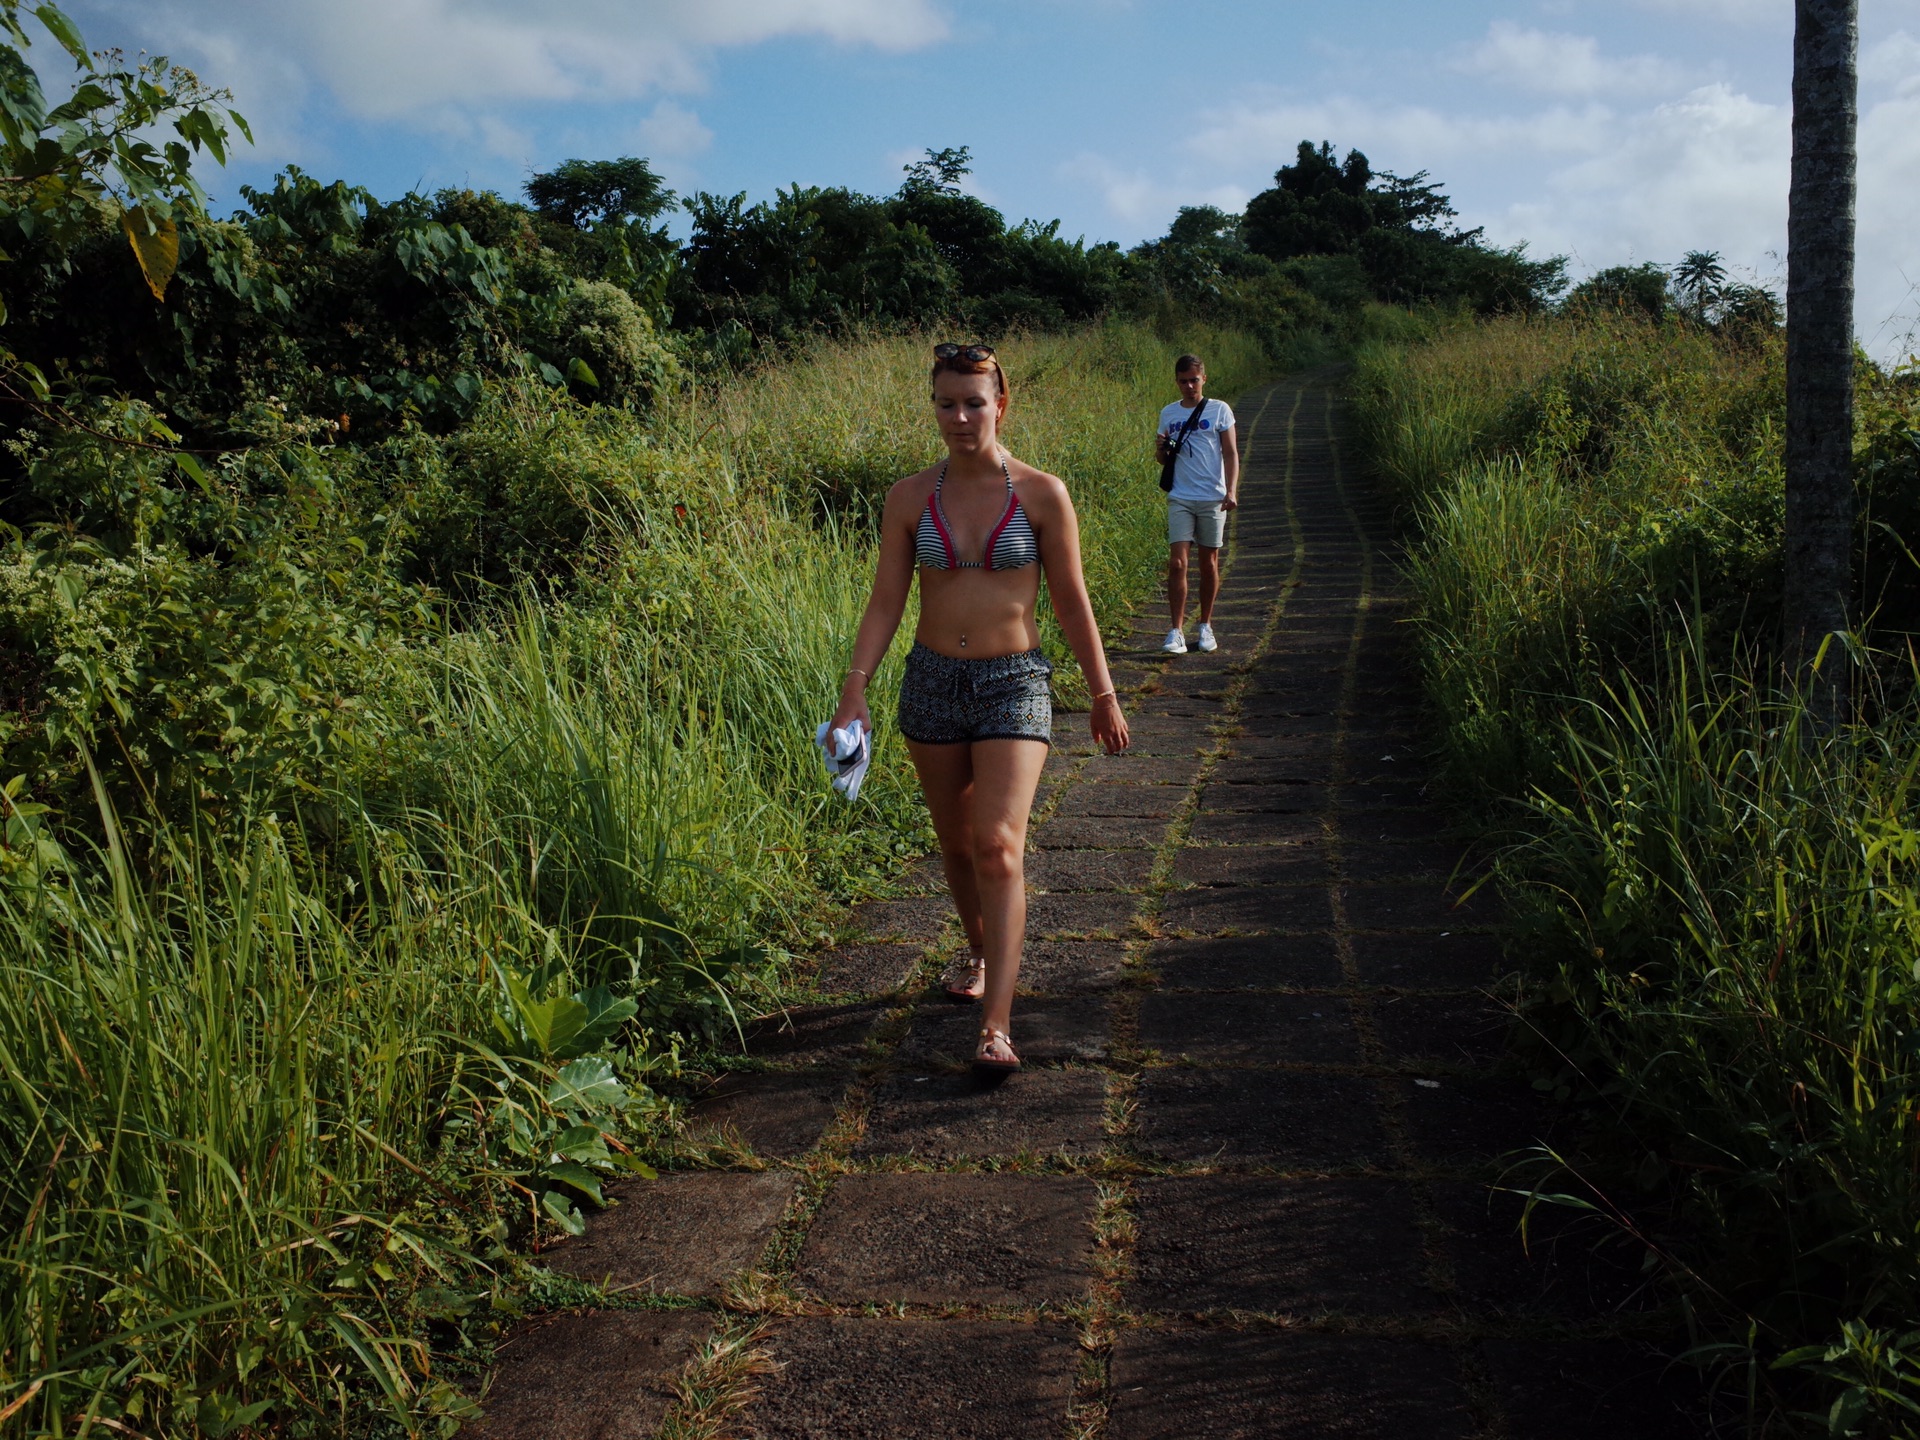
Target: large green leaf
{"points": [[606, 1013], [82, 103], [65, 31], [559, 1027], [547, 1028], [219, 1414], [588, 1084], [579, 1177], [563, 1213], [584, 1143]]}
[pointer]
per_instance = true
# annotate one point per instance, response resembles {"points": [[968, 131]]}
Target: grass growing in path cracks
{"points": [[720, 1382], [1115, 1223]]}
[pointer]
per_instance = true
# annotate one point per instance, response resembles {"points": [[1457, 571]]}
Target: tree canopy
{"points": [[830, 256], [1398, 227], [585, 193]]}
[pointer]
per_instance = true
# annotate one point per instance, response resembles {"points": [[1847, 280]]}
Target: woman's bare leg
{"points": [[946, 779], [1005, 775]]}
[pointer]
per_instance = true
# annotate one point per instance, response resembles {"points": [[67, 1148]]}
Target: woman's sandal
{"points": [[965, 980], [998, 1066]]}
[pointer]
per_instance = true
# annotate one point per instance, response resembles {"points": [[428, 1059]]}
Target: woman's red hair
{"points": [[960, 365]]}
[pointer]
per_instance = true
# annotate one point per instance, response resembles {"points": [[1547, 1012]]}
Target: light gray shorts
{"points": [[1201, 522]]}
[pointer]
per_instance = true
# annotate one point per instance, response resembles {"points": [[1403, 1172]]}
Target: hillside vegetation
{"points": [[1717, 896]]}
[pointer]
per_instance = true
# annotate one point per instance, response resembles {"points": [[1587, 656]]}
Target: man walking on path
{"points": [[1198, 434]]}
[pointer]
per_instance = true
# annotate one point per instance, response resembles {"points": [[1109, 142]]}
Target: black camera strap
{"points": [[1179, 440], [1192, 423]]}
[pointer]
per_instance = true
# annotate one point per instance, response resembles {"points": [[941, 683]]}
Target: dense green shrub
{"points": [[599, 325], [833, 259], [1889, 469], [524, 493]]}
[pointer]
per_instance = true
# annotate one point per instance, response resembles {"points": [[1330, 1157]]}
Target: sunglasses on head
{"points": [[973, 354]]}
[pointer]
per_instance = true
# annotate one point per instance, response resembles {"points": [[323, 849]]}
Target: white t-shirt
{"points": [[1198, 473]]}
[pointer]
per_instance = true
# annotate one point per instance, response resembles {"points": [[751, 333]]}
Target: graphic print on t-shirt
{"points": [[1199, 473]]}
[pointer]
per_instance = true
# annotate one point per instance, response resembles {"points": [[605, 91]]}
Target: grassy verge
{"points": [[299, 1061], [1718, 898]]}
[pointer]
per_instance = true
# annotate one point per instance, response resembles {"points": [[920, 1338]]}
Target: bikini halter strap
{"points": [[941, 479]]}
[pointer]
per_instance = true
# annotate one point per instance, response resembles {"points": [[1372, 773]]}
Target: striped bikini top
{"points": [[1010, 547]]}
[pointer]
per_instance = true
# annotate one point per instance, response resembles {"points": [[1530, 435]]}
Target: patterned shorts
{"points": [[944, 701]]}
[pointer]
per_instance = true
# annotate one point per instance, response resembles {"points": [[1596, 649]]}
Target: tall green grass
{"points": [[1716, 894], [1740, 887], [1577, 485], [287, 1087], [209, 1074]]}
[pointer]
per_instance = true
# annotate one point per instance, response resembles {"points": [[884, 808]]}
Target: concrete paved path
{"points": [[1242, 1189]]}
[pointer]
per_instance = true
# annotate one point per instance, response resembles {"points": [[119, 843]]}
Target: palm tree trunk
{"points": [[1820, 227]]}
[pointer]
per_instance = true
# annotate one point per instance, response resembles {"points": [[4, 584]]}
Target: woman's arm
{"points": [[1059, 531], [892, 579]]}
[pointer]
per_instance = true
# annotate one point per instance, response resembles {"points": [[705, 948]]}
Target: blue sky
{"points": [[1625, 131]]}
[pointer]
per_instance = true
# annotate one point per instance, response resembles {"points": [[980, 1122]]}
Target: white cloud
{"points": [[1892, 63], [444, 64], [673, 132], [1707, 172], [1888, 267], [1710, 172], [508, 142], [1250, 133], [1561, 64], [1140, 198]]}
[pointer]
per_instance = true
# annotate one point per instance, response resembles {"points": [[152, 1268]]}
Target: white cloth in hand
{"points": [[848, 751]]}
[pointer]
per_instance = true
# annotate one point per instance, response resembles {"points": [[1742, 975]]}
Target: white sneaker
{"points": [[1207, 642], [1175, 643]]}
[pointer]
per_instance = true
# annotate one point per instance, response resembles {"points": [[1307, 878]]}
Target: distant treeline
{"points": [[321, 303]]}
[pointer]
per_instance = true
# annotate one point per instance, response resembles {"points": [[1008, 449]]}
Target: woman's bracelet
{"points": [[856, 670], [1104, 693]]}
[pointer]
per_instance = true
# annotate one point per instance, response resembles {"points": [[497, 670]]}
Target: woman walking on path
{"points": [[975, 707]]}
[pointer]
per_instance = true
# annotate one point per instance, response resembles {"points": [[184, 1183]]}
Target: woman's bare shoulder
{"points": [[916, 486], [1037, 488]]}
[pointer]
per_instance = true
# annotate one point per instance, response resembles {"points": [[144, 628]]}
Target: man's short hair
{"points": [[1189, 362]]}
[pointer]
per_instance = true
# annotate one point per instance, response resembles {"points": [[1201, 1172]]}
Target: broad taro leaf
{"points": [[220, 1415], [547, 1029], [588, 1084]]}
